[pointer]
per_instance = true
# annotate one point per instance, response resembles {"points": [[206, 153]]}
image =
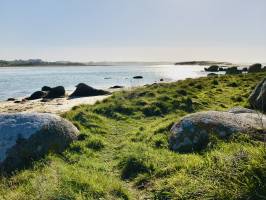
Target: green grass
{"points": [[122, 152]]}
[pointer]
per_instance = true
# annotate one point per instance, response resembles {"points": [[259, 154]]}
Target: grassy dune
{"points": [[122, 152]]}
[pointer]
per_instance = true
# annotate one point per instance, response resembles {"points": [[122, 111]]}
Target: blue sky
{"points": [[174, 30]]}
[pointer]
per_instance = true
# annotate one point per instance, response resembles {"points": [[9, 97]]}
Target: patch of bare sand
{"points": [[55, 106]]}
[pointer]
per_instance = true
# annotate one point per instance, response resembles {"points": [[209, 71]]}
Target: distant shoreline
{"points": [[40, 63], [204, 63]]}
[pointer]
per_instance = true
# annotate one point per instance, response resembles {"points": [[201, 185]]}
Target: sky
{"points": [[133, 30]]}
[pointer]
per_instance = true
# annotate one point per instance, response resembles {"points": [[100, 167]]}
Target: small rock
{"points": [[24, 100], [116, 87], [84, 90], [11, 99], [138, 77]]}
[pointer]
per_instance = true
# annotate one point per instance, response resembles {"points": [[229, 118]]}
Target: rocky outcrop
{"points": [[56, 92], [233, 70], [257, 99], [37, 95], [213, 68], [83, 90], [28, 137], [194, 131], [48, 93], [255, 68]]}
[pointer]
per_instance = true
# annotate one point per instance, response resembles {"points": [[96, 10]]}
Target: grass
{"points": [[122, 151]]}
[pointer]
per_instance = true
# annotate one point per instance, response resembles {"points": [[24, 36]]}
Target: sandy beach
{"points": [[55, 106]]}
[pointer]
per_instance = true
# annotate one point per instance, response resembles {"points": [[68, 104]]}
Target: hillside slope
{"points": [[122, 152]]}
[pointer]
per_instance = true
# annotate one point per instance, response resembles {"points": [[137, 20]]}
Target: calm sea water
{"points": [[22, 81]]}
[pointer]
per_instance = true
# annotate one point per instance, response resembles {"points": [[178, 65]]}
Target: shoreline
{"points": [[60, 105], [54, 106]]}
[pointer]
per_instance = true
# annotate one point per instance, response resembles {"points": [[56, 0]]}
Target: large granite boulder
{"points": [[28, 137], [193, 132], [83, 90], [255, 68], [257, 99]]}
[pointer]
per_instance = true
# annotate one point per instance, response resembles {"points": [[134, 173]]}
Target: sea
{"points": [[22, 81]]}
